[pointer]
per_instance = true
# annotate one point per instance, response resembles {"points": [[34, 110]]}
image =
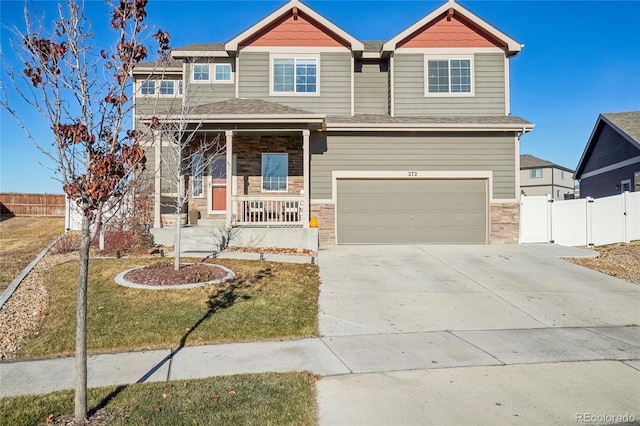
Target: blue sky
{"points": [[580, 58]]}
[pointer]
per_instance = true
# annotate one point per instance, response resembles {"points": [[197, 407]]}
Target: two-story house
{"points": [[542, 177], [409, 140]]}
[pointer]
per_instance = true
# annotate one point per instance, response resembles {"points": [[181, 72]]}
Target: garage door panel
{"points": [[398, 211]]}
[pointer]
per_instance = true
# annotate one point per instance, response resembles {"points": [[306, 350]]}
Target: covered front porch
{"points": [[258, 176]]}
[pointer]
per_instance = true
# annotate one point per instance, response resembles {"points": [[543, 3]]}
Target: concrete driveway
{"points": [[476, 335]]}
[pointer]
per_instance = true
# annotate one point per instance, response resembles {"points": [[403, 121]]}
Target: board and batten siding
{"points": [[456, 151], [335, 83], [205, 93], [611, 148], [409, 86], [371, 81]]}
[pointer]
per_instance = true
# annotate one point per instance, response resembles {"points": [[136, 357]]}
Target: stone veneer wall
{"points": [[325, 213], [505, 223], [249, 150]]}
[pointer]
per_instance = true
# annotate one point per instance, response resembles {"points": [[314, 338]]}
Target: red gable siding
{"points": [[448, 33], [295, 32]]}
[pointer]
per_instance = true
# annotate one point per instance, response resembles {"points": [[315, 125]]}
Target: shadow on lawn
{"points": [[222, 298]]}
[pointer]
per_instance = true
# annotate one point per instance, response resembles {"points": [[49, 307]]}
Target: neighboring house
{"points": [[610, 163], [542, 177], [409, 140]]}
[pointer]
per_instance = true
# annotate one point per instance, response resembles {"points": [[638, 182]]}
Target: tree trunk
{"points": [[80, 411], [176, 251]]}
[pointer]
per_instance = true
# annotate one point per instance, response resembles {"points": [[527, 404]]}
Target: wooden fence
{"points": [[16, 204]]}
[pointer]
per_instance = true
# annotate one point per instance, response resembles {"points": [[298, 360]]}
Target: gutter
{"points": [[409, 127]]}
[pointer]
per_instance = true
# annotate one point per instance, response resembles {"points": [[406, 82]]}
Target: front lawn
{"points": [[21, 239], [256, 399], [267, 300]]}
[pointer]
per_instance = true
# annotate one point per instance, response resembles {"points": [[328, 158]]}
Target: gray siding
{"points": [[371, 87], [427, 152], [489, 97], [158, 105], [204, 93], [168, 181], [606, 184], [335, 83]]}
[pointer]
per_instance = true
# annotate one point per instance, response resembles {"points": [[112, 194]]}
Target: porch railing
{"points": [[268, 211]]}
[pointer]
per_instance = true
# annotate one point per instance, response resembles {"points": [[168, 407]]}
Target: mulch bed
{"points": [[161, 274]]}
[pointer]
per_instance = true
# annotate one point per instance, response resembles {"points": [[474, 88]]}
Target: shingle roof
{"points": [[159, 66], [628, 122], [246, 106], [206, 47], [528, 161], [387, 119]]}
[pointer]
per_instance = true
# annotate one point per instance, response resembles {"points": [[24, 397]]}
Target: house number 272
{"points": [[413, 174]]}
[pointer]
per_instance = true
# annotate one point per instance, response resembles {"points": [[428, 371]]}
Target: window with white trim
{"points": [[167, 87], [179, 87], [275, 170], [636, 178], [625, 185], [197, 175], [200, 72], [448, 76], [222, 73], [293, 75], [535, 173], [148, 87]]}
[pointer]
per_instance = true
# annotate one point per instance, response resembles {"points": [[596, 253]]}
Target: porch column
{"points": [[229, 153], [306, 154], [157, 180]]}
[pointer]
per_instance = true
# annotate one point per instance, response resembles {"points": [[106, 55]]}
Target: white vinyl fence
{"points": [[583, 222]]}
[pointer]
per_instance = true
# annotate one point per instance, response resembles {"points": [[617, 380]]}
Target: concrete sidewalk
{"points": [[336, 356]]}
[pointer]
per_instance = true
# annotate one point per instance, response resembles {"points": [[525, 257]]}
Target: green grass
{"points": [[21, 239], [260, 399], [266, 301]]}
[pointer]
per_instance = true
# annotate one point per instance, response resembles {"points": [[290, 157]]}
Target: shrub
{"points": [[125, 241], [69, 243]]}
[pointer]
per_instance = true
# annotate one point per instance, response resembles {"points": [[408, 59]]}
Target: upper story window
{"points": [[200, 72], [294, 75], [535, 173], [216, 73], [161, 88], [167, 87], [222, 73], [148, 87], [449, 76]]}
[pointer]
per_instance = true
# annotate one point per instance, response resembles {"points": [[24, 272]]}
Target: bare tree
{"points": [[84, 93], [190, 153]]}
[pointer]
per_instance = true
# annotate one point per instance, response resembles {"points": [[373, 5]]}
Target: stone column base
{"points": [[325, 213], [505, 223]]}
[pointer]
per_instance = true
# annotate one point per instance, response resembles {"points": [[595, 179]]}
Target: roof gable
{"points": [[626, 125], [451, 25], [295, 28], [294, 24], [450, 30]]}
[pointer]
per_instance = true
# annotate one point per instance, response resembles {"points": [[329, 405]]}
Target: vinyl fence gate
{"points": [[582, 222]]}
